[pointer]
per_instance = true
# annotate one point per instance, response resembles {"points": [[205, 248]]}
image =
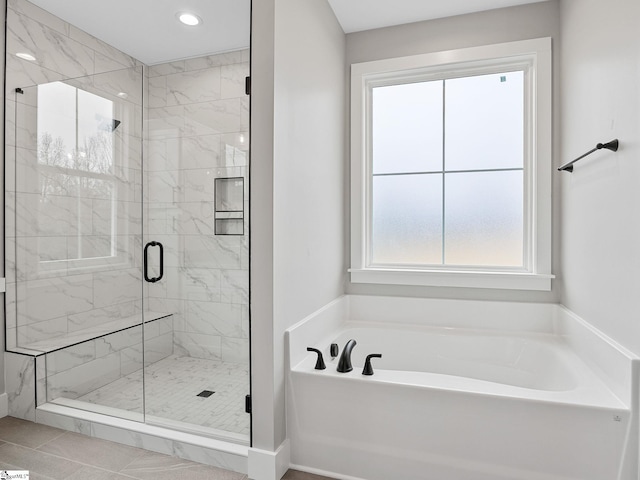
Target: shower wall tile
{"points": [[35, 332], [221, 116], [158, 91], [232, 80], [39, 15], [193, 87], [234, 286], [20, 383], [214, 318], [210, 61], [198, 345], [157, 348], [115, 287], [166, 68], [194, 284], [42, 300], [115, 57], [166, 122], [118, 341], [198, 186], [53, 50], [131, 360], [70, 357], [41, 380], [99, 316], [22, 73], [85, 378], [211, 252], [201, 151], [234, 350]]}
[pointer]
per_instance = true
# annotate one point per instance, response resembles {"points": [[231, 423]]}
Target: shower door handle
{"points": [[146, 262]]}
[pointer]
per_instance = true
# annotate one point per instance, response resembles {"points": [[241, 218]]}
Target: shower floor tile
{"points": [[172, 388]]}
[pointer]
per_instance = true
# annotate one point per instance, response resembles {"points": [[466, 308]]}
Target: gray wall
{"points": [[297, 191], [601, 199], [484, 28]]}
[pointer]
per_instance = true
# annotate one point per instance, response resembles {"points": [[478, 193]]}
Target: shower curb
{"points": [[192, 447]]}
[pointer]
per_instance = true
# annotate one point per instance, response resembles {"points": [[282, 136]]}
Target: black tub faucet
{"points": [[344, 364], [319, 361]]}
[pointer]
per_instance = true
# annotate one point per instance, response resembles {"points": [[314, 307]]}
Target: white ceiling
{"points": [[358, 15], [148, 29]]}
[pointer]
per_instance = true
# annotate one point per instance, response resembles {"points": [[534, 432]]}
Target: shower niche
{"points": [[104, 155], [229, 206]]}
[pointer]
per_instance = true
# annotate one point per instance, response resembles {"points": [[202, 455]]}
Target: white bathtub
{"points": [[454, 404]]}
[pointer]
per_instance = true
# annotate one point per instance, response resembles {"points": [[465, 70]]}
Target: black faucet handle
{"points": [[368, 369], [320, 361]]}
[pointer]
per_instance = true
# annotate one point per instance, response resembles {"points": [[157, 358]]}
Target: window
{"points": [[451, 162]]}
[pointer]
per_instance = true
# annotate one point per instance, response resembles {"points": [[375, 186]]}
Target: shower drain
{"points": [[205, 393]]}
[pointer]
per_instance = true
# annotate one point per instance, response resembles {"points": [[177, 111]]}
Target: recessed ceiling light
{"points": [[189, 19], [26, 56], [122, 95]]}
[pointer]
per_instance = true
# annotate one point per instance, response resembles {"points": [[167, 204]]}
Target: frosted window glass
{"points": [[407, 219], [484, 218], [407, 128], [484, 121]]}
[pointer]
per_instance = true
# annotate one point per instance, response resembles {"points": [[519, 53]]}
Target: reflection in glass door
{"points": [[76, 192]]}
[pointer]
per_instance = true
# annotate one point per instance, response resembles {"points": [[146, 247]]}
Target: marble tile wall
{"points": [[198, 131], [53, 214], [83, 368], [20, 373]]}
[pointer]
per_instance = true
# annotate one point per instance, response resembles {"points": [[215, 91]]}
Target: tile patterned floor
{"points": [[50, 453], [172, 386]]}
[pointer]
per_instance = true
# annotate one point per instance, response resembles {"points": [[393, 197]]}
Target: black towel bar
{"points": [[612, 145]]}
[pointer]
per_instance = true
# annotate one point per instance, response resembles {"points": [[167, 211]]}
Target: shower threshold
{"points": [[169, 441], [117, 413]]}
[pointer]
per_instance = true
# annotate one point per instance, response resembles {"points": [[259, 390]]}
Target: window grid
{"points": [[444, 172]]}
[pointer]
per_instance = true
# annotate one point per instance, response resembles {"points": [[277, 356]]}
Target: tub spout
{"points": [[344, 364]]}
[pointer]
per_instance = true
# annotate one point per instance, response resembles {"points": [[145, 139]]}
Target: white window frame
{"points": [[534, 56]]}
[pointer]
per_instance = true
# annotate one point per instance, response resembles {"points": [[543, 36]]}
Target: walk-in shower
{"points": [[126, 228]]}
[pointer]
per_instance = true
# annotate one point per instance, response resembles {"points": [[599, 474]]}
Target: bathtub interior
{"points": [[535, 361]]}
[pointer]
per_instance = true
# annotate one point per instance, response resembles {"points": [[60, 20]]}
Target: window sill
{"points": [[465, 279]]}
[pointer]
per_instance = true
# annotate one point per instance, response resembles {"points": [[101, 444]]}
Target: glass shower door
{"points": [[196, 201]]}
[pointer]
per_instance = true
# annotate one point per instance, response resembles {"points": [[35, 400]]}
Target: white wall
{"points": [[483, 28], [600, 201], [297, 188]]}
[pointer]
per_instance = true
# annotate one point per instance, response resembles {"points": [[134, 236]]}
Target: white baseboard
{"points": [[4, 405], [265, 465]]}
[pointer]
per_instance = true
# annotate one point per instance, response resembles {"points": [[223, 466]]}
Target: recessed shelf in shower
{"points": [[229, 206]]}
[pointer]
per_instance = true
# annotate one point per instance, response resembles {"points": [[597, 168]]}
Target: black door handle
{"points": [[146, 262]]}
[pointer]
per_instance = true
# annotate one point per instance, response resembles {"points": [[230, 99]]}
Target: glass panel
{"points": [[484, 219], [76, 193], [484, 122], [407, 128], [407, 219]]}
